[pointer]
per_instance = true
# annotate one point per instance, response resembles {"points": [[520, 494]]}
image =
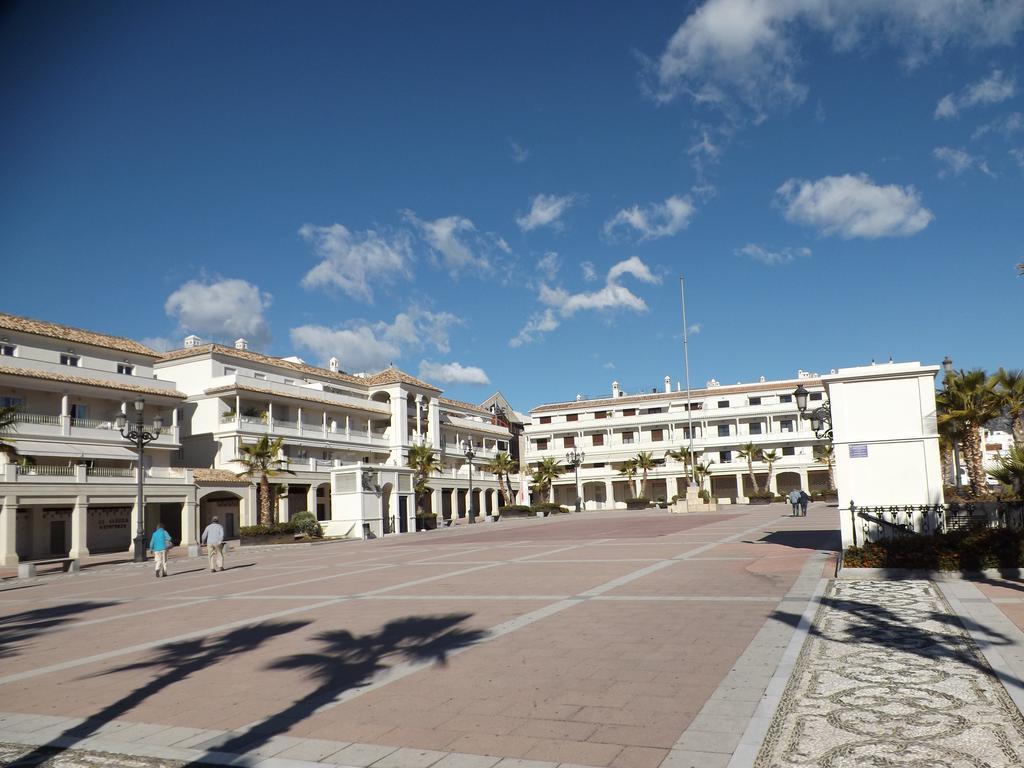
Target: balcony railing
{"points": [[37, 418], [45, 470], [110, 472]]}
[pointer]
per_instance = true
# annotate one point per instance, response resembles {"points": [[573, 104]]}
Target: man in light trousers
{"points": [[213, 538]]}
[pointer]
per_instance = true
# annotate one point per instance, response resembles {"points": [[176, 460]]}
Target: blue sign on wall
{"points": [[858, 450]]}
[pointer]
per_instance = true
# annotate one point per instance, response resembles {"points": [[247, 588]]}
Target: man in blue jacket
{"points": [[159, 544]]}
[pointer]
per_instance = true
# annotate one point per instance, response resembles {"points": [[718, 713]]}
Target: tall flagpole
{"points": [[686, 366]]}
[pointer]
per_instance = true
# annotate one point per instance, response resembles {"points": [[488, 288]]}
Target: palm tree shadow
{"points": [[174, 662], [18, 628], [344, 662]]}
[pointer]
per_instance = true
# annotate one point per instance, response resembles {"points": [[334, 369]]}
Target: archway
{"points": [[787, 481], [594, 494], [225, 506], [323, 501]]}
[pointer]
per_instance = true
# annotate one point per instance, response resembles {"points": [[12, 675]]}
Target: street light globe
{"points": [[140, 403]]}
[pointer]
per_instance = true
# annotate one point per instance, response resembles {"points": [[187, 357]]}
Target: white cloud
{"points": [[354, 262], [1007, 126], [520, 154], [367, 346], [773, 258], [745, 53], [1018, 155], [221, 309], [854, 206], [694, 329], [656, 220], [548, 265], [991, 90], [609, 366], [455, 240], [541, 322], [161, 343], [452, 373], [545, 210], [956, 161], [589, 273], [559, 302]]}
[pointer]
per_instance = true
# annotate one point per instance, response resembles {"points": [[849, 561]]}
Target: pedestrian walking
{"points": [[804, 501], [794, 499], [213, 538], [159, 543]]}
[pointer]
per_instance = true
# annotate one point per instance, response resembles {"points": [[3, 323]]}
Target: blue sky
{"points": [[501, 197]]}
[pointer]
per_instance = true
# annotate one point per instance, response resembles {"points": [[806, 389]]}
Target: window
{"points": [[786, 425], [597, 439], [126, 369], [572, 417], [601, 414], [569, 442], [261, 376], [815, 396], [11, 402], [655, 410], [755, 428], [723, 430], [69, 359], [788, 450], [725, 457], [629, 412], [7, 350], [657, 435], [755, 401], [229, 371], [723, 403], [289, 381], [542, 445], [627, 438], [785, 398], [545, 419]]}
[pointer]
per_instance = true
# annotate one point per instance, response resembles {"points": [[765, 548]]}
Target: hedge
{"points": [[640, 502], [515, 510], [274, 529], [548, 507], [960, 550]]}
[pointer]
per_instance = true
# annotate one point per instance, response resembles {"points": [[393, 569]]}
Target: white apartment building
{"points": [[327, 419], [610, 431], [71, 487]]}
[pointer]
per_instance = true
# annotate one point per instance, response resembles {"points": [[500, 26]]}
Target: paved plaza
{"points": [[628, 640]]}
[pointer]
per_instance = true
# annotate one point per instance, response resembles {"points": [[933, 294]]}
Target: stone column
{"points": [[282, 507], [739, 486], [803, 480], [419, 418], [8, 530], [437, 504], [298, 419], [609, 495], [189, 530], [434, 423], [65, 415], [311, 499], [79, 528], [133, 526]]}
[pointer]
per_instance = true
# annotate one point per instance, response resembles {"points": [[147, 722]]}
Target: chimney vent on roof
{"points": [[241, 344], [192, 341], [578, 397], [668, 383], [615, 389], [333, 364], [761, 379], [712, 383]]}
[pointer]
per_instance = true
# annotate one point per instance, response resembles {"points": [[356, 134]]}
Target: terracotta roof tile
{"points": [[76, 335], [256, 357], [143, 390], [465, 406], [392, 375], [217, 477], [767, 387]]}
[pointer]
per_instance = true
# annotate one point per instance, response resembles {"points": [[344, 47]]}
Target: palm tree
{"points": [[628, 469], [769, 458], [969, 400], [700, 474], [544, 477], [503, 465], [751, 453], [423, 462], [1009, 469], [261, 462], [826, 454], [8, 423], [644, 462], [1010, 388], [681, 455]]}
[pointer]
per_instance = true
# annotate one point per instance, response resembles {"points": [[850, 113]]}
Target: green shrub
{"points": [[705, 496], [515, 510], [639, 502], [960, 550], [274, 529], [760, 495], [306, 523], [547, 507]]}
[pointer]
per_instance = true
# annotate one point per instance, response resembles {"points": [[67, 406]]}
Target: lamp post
{"points": [[136, 433], [467, 447], [573, 459], [821, 417], [947, 367]]}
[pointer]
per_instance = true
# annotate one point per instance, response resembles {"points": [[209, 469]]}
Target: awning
{"points": [[73, 450]]}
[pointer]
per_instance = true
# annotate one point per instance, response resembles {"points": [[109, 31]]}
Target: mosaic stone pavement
{"points": [[888, 677], [77, 758]]}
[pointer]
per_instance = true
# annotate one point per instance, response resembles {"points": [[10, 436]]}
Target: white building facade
{"points": [[610, 431]]}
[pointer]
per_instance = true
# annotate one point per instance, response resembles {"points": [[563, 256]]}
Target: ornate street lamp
{"points": [[136, 433], [573, 459], [467, 447], [821, 417], [947, 367]]}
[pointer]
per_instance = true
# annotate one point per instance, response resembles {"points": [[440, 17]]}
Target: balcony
{"points": [[49, 473], [96, 374], [310, 392], [259, 425], [87, 430]]}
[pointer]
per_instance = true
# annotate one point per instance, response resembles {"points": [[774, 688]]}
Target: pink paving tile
{"points": [[534, 578], [742, 578]]}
